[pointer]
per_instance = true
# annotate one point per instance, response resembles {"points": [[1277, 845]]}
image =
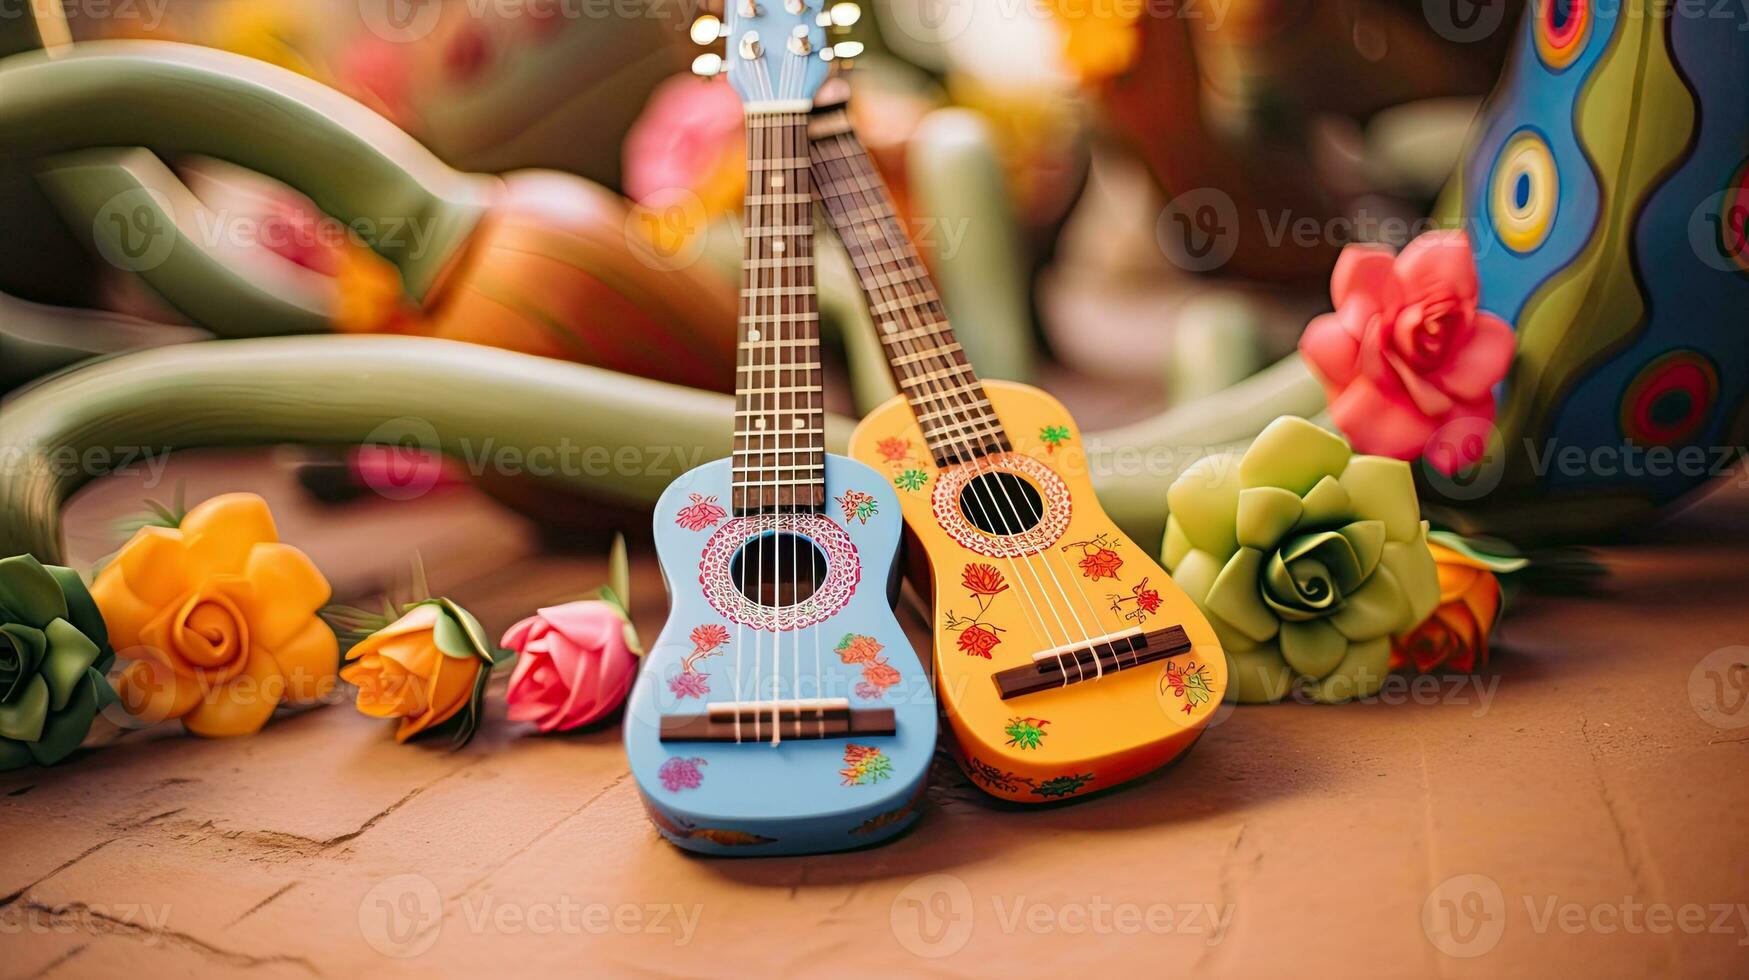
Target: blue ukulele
{"points": [[782, 710]]}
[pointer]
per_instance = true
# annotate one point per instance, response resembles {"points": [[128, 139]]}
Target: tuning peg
{"points": [[845, 14], [798, 41], [708, 64], [847, 49], [706, 30], [749, 9], [750, 48]]}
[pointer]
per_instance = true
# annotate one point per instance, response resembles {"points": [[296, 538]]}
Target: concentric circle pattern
{"points": [[1523, 192], [1671, 398], [1562, 28]]}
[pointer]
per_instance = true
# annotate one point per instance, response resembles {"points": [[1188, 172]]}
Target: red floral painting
{"points": [[858, 506], [977, 636], [1140, 602], [981, 579], [703, 512], [1099, 557], [893, 449], [707, 641], [877, 673]]}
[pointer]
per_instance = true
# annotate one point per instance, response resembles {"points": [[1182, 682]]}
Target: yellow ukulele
{"points": [[1066, 661]]}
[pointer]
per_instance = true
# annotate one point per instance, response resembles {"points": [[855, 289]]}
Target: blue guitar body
{"points": [[800, 795]]}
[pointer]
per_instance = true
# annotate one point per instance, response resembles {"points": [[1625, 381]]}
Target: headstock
{"points": [[778, 52]]}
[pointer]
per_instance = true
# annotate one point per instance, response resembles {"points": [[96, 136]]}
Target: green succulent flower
{"points": [[54, 651], [1305, 557]]}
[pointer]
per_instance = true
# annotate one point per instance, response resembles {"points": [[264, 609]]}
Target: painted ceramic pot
{"points": [[1605, 194]]}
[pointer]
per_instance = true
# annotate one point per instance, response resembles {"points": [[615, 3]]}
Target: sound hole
{"points": [[1001, 504], [778, 568]]}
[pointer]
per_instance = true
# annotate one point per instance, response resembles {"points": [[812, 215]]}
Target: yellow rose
{"points": [[219, 619], [424, 668]]}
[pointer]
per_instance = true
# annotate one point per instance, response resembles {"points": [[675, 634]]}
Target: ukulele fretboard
{"points": [[780, 443], [931, 368]]}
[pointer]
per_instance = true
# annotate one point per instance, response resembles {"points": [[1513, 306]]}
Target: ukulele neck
{"points": [[780, 443], [929, 365]]}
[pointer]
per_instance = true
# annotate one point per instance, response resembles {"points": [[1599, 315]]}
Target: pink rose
{"points": [[575, 665], [1407, 351]]}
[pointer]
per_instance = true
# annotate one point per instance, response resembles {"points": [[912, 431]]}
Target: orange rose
{"points": [[423, 669], [1455, 637], [219, 618]]}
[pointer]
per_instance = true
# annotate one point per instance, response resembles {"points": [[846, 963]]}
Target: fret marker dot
{"points": [[890, 326], [753, 335], [796, 423], [759, 423], [777, 180], [777, 245]]}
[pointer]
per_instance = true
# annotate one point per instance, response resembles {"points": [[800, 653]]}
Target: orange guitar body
{"points": [[993, 610]]}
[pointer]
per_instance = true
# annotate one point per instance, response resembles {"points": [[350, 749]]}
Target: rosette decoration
{"points": [[218, 618], [54, 651], [1306, 558], [428, 670]]}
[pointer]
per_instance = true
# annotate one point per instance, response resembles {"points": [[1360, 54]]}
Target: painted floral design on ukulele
{"points": [[865, 764], [858, 506], [1138, 604], [891, 817], [727, 838], [904, 466], [977, 636], [1060, 786], [703, 512], [1025, 733], [1189, 682], [877, 673], [1003, 781], [1099, 557], [707, 641], [681, 773], [1053, 436]]}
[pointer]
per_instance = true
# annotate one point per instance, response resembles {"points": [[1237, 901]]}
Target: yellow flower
{"points": [[1455, 637], [402, 672], [219, 619]]}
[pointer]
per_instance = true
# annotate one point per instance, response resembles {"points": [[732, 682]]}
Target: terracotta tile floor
{"points": [[1572, 812]]}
